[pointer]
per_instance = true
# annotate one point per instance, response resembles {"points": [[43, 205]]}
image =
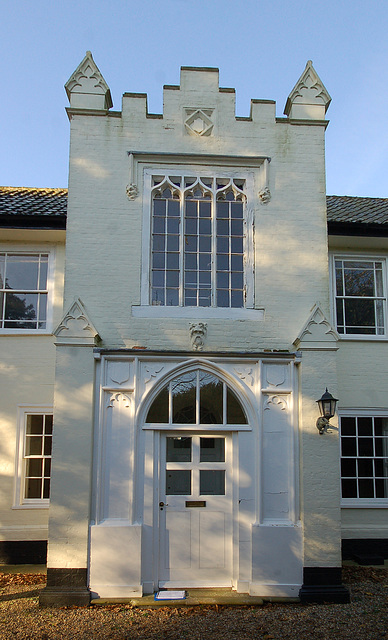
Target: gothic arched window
{"points": [[198, 398]]}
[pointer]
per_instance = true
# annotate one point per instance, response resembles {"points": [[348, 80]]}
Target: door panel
{"points": [[178, 540], [211, 539], [195, 509]]}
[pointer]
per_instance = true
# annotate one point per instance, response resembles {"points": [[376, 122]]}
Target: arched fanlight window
{"points": [[196, 397]]}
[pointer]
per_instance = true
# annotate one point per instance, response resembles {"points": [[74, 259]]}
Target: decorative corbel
{"points": [[198, 332], [265, 193], [131, 189]]}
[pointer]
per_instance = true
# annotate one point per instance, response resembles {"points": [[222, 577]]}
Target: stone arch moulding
{"points": [[244, 394]]}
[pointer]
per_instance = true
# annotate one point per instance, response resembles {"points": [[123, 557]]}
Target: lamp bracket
{"points": [[322, 424]]}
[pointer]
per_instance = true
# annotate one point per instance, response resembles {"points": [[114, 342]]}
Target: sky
{"points": [[260, 46]]}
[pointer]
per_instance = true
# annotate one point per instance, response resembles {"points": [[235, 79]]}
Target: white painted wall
{"points": [[27, 369]]}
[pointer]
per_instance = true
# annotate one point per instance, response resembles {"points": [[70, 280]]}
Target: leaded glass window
{"points": [[198, 244]]}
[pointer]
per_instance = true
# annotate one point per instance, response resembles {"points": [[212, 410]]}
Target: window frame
{"points": [[351, 256], [20, 501], [185, 171], [359, 503], [28, 251]]}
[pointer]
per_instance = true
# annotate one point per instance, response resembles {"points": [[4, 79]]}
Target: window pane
{"points": [[48, 424], [172, 260], [21, 306], [366, 488], [211, 399], [47, 445], [348, 468], [173, 208], [34, 467], [348, 426], [34, 445], [381, 488], [222, 298], [365, 447], [338, 280], [234, 411], [172, 297], [212, 483], [237, 210], [158, 411], [159, 207], [349, 446], [237, 299], [365, 426], [365, 468], [34, 424], [349, 488], [178, 483], [22, 272], [379, 283], [33, 488], [47, 467], [183, 390], [212, 450], [360, 316], [178, 450], [46, 488], [2, 270], [158, 296], [359, 282]]}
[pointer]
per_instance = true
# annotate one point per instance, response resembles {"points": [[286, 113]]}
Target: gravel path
{"points": [[365, 618]]}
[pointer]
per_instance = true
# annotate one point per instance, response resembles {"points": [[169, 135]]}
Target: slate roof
{"points": [[30, 207], [357, 210], [46, 208]]}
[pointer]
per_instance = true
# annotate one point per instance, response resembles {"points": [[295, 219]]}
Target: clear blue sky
{"points": [[260, 46]]}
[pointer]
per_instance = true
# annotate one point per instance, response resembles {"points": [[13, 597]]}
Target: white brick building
{"points": [[205, 310]]}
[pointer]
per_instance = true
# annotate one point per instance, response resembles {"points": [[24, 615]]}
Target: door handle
{"points": [[162, 504]]}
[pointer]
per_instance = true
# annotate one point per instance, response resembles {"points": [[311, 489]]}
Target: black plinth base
{"points": [[323, 584], [65, 587]]}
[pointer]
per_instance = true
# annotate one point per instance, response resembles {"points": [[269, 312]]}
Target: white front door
{"points": [[195, 510]]}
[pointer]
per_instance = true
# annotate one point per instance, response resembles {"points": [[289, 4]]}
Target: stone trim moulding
{"points": [[317, 333], [203, 159], [86, 87], [198, 121], [76, 328]]}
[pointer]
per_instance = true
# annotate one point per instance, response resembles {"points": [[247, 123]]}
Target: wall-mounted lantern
{"points": [[327, 405]]}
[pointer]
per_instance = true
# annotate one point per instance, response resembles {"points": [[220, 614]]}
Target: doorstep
{"points": [[194, 597]]}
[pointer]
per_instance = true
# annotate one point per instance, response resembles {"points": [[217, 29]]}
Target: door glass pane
{"points": [[178, 450], [212, 483], [212, 450], [178, 483], [211, 394]]}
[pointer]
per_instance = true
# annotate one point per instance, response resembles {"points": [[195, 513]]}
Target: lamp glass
{"points": [[327, 405]]}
